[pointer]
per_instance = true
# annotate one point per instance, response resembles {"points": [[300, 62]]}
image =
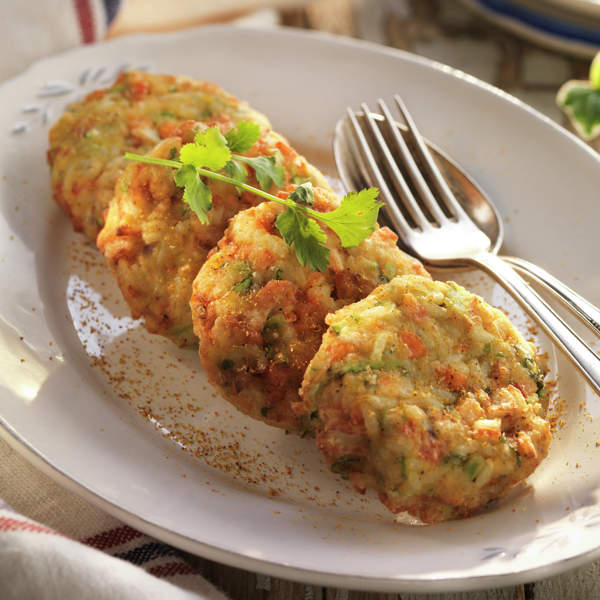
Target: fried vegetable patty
{"points": [[430, 396], [260, 315], [154, 243], [88, 142]]}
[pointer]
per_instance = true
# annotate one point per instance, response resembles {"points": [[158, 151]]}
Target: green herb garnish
{"points": [[267, 171], [474, 466], [243, 137], [518, 457], [401, 460], [215, 156], [530, 365], [195, 192], [244, 285]]}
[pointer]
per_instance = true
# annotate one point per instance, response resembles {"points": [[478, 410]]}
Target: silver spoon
{"points": [[481, 210]]}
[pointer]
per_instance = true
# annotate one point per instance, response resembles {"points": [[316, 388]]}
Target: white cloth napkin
{"points": [[56, 546], [53, 544], [32, 29]]}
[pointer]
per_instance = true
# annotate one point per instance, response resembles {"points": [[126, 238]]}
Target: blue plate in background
{"points": [[569, 25]]}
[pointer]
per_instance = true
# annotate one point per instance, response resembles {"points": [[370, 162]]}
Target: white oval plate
{"points": [[76, 372]]}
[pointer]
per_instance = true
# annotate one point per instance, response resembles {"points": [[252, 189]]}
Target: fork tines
{"points": [[381, 140]]}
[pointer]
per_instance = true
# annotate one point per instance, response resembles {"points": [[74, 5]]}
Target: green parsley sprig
{"points": [[216, 156]]}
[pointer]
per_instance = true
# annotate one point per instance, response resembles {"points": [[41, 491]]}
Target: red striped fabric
{"points": [[86, 20], [171, 568], [146, 553], [9, 524], [112, 537]]}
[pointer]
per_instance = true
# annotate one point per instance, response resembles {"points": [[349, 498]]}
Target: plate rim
{"points": [[359, 582], [538, 35], [280, 570], [577, 7], [324, 36]]}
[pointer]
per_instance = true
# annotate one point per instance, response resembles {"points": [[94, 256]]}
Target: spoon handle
{"points": [[586, 311], [580, 354]]}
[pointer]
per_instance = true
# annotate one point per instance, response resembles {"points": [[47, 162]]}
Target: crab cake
{"points": [[429, 395], [154, 243], [260, 315], [88, 142]]}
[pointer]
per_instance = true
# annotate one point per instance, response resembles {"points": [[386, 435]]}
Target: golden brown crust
{"points": [[430, 396], [260, 315], [88, 142], [155, 245]]}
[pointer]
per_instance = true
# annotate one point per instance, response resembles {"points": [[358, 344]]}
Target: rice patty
{"points": [[260, 315], [155, 245], [88, 142], [430, 396]]}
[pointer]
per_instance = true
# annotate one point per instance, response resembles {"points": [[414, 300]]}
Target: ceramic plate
{"points": [[571, 26], [579, 8], [128, 420]]}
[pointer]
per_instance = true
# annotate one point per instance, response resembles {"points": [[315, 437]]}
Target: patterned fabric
{"points": [[94, 17], [66, 548]]}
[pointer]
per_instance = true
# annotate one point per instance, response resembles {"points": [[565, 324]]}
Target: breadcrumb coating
{"points": [[155, 244], [430, 396], [260, 315], [88, 142]]}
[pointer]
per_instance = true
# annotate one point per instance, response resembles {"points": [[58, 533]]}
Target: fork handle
{"points": [[583, 309], [580, 354]]}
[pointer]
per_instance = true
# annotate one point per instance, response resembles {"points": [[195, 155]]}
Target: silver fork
{"points": [[436, 229]]}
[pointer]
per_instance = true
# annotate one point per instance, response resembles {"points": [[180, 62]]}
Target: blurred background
{"points": [[527, 48]]}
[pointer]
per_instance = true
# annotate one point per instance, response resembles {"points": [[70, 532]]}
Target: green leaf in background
{"points": [[595, 72], [580, 101], [585, 104], [243, 137], [196, 192]]}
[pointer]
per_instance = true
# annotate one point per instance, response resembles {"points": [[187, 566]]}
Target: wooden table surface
{"points": [[445, 31]]}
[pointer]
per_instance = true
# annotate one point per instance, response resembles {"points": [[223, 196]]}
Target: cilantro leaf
{"points": [[236, 170], [355, 218], [585, 104], [196, 192], [243, 137], [268, 172], [209, 150], [352, 221], [307, 238], [303, 194]]}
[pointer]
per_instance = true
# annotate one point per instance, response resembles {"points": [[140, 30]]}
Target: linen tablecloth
{"points": [[56, 546]]}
